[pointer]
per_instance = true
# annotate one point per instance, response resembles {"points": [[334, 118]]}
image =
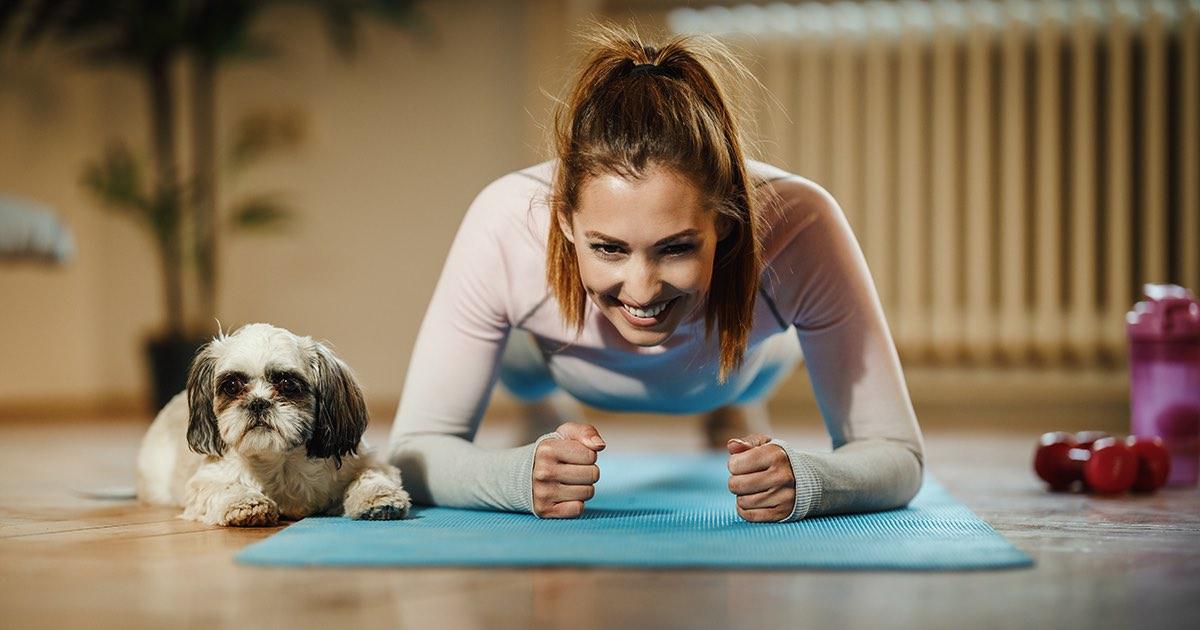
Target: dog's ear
{"points": [[341, 412], [203, 436]]}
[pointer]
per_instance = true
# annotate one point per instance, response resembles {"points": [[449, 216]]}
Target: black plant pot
{"points": [[170, 358]]}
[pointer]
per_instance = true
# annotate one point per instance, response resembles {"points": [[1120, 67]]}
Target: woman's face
{"points": [[645, 250]]}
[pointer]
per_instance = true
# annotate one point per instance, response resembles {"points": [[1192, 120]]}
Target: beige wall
{"points": [[399, 142]]}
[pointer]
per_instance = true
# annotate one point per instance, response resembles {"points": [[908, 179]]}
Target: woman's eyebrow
{"points": [[663, 241]]}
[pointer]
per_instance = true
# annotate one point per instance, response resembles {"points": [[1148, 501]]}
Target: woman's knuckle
{"points": [[774, 479]]}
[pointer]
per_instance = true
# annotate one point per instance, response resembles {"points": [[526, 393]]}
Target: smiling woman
{"points": [[651, 267]]}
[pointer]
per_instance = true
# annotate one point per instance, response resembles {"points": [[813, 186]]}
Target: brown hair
{"points": [[634, 105]]}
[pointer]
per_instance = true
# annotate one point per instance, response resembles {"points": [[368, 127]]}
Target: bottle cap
{"points": [[1171, 313]]}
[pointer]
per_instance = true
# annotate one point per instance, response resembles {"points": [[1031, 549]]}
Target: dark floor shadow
{"points": [[600, 513]]}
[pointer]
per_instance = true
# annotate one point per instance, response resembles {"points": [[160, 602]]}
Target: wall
{"points": [[400, 139]]}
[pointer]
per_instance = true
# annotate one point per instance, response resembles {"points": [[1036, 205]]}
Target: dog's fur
{"points": [[270, 427]]}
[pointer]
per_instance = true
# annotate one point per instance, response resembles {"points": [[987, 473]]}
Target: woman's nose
{"points": [[642, 284]]}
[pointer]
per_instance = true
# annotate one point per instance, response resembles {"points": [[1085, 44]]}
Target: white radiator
{"points": [[1013, 170]]}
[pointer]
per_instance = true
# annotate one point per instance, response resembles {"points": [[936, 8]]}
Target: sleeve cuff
{"points": [[808, 484], [525, 482]]}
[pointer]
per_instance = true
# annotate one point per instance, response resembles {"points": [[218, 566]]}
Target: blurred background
{"points": [[1015, 171]]}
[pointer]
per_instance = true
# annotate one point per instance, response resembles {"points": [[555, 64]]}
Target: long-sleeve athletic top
{"points": [[815, 284]]}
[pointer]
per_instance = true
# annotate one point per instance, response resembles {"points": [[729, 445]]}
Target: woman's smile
{"points": [[650, 316]]}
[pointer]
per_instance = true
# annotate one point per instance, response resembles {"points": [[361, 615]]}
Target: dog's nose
{"points": [[259, 405]]}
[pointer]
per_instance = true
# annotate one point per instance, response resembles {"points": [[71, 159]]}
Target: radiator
{"points": [[1014, 171]]}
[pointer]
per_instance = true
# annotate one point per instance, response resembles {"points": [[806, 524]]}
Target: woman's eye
{"points": [[675, 250], [606, 249]]}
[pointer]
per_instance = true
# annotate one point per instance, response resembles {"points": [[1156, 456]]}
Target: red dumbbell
{"points": [[1051, 463], [1154, 462], [1107, 467], [1085, 439]]}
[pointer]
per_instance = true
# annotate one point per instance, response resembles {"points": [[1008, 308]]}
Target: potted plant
{"points": [[117, 180], [151, 37]]}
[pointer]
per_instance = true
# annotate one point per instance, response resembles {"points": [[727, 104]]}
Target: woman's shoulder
{"points": [[514, 205], [795, 191], [789, 204], [517, 188]]}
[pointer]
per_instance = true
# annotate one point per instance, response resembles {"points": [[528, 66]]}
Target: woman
{"points": [[653, 268]]}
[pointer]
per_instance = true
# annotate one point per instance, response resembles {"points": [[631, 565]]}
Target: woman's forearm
{"points": [[865, 475], [449, 471]]}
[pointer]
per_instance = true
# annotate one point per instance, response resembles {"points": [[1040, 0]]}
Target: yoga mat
{"points": [[653, 511]]}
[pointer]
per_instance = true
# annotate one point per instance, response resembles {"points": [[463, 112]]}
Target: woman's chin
{"points": [[644, 339]]}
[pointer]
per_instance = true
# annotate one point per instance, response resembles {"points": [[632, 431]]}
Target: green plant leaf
{"points": [[164, 213], [261, 213], [115, 180], [263, 133]]}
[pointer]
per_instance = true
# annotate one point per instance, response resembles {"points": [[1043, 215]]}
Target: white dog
{"points": [[270, 427]]}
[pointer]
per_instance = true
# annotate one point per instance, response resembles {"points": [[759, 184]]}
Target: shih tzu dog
{"points": [[270, 427]]}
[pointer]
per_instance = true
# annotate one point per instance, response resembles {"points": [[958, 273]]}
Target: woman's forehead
{"points": [[655, 205]]}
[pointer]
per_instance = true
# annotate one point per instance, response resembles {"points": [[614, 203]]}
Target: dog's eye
{"points": [[231, 387], [288, 386]]}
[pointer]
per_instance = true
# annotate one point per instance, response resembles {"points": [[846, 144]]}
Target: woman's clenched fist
{"points": [[565, 471], [761, 476]]}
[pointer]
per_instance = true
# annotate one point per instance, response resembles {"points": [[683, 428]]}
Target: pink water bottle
{"points": [[1164, 364]]}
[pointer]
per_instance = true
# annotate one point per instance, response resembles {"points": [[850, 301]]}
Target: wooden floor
{"points": [[68, 561]]}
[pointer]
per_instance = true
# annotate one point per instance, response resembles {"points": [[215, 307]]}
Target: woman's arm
{"points": [[454, 367], [826, 289]]}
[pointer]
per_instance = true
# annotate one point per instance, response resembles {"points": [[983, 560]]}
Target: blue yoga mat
{"points": [[653, 511]]}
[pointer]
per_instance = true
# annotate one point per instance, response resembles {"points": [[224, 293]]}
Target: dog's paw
{"points": [[393, 505], [250, 512], [383, 513]]}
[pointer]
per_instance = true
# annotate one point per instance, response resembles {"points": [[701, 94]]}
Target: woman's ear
{"points": [[724, 227], [564, 226]]}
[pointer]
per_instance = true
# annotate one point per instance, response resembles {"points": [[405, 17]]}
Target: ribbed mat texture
{"points": [[654, 511]]}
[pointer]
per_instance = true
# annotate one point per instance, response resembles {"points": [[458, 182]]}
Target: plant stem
{"points": [[162, 130], [204, 177]]}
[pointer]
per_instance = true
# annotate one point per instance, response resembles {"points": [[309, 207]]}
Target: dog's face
{"points": [[264, 390]]}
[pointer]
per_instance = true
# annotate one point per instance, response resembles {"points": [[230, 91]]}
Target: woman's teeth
{"points": [[653, 312]]}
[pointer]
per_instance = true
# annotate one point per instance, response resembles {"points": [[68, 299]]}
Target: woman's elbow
{"points": [[911, 473]]}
